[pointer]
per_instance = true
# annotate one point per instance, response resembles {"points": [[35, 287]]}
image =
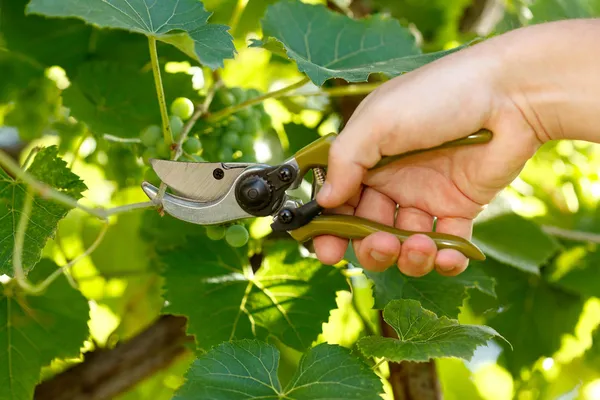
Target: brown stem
{"points": [[411, 380], [107, 373]]}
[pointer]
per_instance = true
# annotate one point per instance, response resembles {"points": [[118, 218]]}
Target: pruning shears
{"points": [[213, 193]]}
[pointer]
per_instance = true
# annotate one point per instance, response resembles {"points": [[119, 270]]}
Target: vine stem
{"points": [[349, 90], [237, 13], [117, 139], [571, 234], [17, 260], [48, 281], [271, 95], [44, 190], [160, 93]]}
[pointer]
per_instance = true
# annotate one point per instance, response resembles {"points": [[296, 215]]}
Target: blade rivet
{"points": [[286, 216], [218, 173], [285, 174]]}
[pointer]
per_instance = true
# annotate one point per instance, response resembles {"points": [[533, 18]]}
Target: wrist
{"points": [[547, 73]]}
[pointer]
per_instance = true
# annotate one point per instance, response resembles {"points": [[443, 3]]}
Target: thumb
{"points": [[351, 154]]}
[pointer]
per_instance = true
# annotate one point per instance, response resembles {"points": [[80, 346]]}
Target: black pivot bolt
{"points": [[285, 174], [286, 216], [218, 173]]}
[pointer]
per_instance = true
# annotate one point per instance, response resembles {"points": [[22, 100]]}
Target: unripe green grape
{"points": [[252, 126], [163, 150], [150, 176], [192, 145], [176, 126], [226, 98], [231, 139], [151, 135], [247, 143], [239, 94], [225, 153], [198, 158], [182, 107], [210, 145], [148, 154], [237, 235], [215, 232], [245, 113], [252, 93], [235, 124], [265, 120]]}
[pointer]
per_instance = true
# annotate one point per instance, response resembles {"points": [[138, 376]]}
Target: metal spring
{"points": [[319, 174]]}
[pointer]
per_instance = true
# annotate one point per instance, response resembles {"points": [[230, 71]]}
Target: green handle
{"points": [[352, 227], [316, 154]]}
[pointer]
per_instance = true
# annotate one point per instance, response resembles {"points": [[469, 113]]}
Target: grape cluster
{"points": [[153, 144], [233, 137]]}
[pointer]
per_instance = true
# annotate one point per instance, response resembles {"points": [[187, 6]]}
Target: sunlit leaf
{"points": [[513, 240], [45, 213], [289, 297], [530, 313], [182, 23], [423, 336], [36, 329], [327, 45], [247, 369], [440, 294]]}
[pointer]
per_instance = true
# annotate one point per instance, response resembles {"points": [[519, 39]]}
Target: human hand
{"points": [[445, 100]]}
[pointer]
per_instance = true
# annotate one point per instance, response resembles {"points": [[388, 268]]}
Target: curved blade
{"points": [[195, 180], [219, 211]]}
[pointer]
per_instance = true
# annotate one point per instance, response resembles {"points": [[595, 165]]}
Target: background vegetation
{"points": [[144, 297]]}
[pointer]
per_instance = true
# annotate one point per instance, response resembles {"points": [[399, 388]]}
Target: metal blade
{"points": [[219, 211], [195, 180]]}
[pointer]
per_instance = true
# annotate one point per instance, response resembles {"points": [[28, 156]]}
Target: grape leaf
{"points": [[298, 136], [48, 168], [119, 99], [34, 330], [423, 336], [440, 294], [576, 270], [527, 303], [45, 42], [553, 10], [208, 43], [247, 369], [35, 107], [327, 45], [513, 240], [289, 297]]}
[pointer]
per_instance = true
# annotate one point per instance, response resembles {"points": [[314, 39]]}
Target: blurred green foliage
{"points": [[69, 84]]}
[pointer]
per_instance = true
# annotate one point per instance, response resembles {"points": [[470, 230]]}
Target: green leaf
{"points": [[34, 330], [48, 168], [247, 369], [119, 99], [513, 240], [532, 314], [576, 270], [554, 10], [45, 42], [298, 136], [328, 45], [183, 23], [423, 336], [288, 297], [35, 107], [440, 294]]}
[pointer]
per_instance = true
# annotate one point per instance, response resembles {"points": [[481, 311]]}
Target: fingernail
{"points": [[416, 257], [325, 190], [377, 256]]}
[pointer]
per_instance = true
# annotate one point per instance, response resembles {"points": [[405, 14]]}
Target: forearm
{"points": [[551, 73]]}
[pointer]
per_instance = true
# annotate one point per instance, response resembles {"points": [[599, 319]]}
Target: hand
{"points": [[445, 100]]}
